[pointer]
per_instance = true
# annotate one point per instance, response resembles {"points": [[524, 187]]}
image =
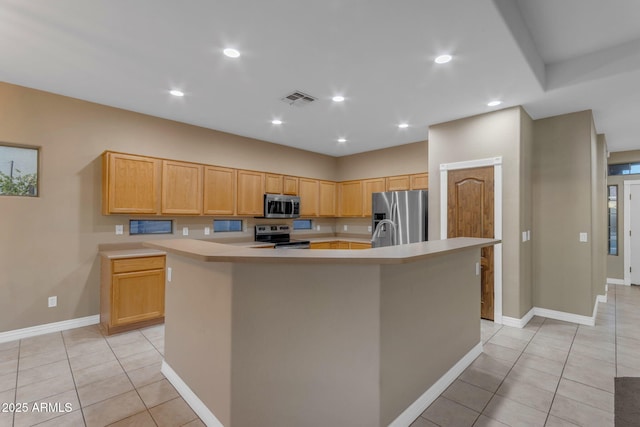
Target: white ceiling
{"points": [[551, 56]]}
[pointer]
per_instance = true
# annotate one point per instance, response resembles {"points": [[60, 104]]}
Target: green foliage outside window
{"points": [[19, 184]]}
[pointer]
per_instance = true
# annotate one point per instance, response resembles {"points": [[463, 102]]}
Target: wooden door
{"points": [[370, 186], [250, 193], [137, 296], [470, 214], [327, 198], [308, 191], [350, 198], [219, 191], [131, 184], [290, 185], [181, 188]]}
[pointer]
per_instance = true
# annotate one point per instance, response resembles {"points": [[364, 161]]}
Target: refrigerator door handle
{"points": [[394, 220]]}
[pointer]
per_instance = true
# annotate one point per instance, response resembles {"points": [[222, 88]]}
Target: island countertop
{"points": [[220, 252]]}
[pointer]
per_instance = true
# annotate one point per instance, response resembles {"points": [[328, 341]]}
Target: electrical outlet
{"points": [[317, 228], [345, 227], [369, 228], [477, 268], [524, 236], [169, 271], [185, 231], [207, 231], [528, 234], [53, 301], [119, 229]]}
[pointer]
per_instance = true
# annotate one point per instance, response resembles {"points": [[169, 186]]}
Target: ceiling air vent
{"points": [[298, 98]]}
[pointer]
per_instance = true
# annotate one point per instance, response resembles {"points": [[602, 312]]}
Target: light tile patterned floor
{"points": [[105, 380], [550, 373]]}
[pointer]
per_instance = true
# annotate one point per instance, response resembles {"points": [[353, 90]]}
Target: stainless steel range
{"points": [[280, 236]]}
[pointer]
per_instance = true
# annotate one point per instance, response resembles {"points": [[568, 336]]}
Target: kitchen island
{"points": [[274, 337]]}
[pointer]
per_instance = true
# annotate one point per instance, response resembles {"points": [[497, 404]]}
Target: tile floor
{"points": [[550, 373], [112, 381]]}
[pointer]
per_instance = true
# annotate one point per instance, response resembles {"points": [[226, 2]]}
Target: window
{"points": [[224, 225], [18, 171], [612, 219], [624, 168], [302, 224], [150, 226]]}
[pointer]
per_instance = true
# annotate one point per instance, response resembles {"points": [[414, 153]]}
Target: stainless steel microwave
{"points": [[279, 206]]}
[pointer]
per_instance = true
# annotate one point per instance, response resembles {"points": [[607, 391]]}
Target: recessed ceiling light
{"points": [[403, 125], [338, 98], [443, 59], [231, 53], [342, 140], [494, 103], [276, 122], [176, 92]]}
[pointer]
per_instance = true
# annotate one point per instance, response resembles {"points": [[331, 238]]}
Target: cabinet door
{"points": [[130, 184], [320, 245], [181, 188], [350, 198], [219, 191], [370, 186], [308, 192], [358, 245], [327, 198], [290, 185], [250, 193], [137, 296], [420, 181], [272, 183], [398, 183], [342, 245]]}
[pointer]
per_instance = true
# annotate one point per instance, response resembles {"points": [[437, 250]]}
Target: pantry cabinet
{"points": [[219, 191], [131, 292], [130, 184], [181, 188], [250, 193]]}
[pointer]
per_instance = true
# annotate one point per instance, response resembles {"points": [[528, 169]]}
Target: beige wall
{"points": [[481, 137], [599, 214], [49, 244], [623, 157], [526, 212], [562, 200], [377, 163]]}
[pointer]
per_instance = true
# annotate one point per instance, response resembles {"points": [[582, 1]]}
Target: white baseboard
{"points": [[190, 397], [416, 408], [567, 317], [518, 323], [615, 281], [48, 328]]}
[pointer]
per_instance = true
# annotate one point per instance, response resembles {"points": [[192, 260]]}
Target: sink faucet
{"points": [[376, 232]]}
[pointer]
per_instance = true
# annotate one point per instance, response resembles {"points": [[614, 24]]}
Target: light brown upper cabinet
{"points": [[181, 188], [420, 181], [250, 193], [130, 184], [219, 191], [370, 186], [308, 192], [290, 184], [350, 198], [327, 197], [272, 183], [398, 183]]}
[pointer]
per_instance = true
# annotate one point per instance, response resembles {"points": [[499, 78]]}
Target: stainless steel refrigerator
{"points": [[399, 217]]}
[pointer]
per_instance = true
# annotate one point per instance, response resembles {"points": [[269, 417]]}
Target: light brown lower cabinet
{"points": [[339, 244], [131, 293]]}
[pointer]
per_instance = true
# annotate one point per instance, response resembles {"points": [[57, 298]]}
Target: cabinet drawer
{"points": [[137, 264]]}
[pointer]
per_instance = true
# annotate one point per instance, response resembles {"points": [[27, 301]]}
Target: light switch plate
{"points": [[477, 268], [52, 301], [169, 274], [207, 231], [185, 231], [119, 229], [528, 234], [369, 228], [583, 237], [524, 236]]}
